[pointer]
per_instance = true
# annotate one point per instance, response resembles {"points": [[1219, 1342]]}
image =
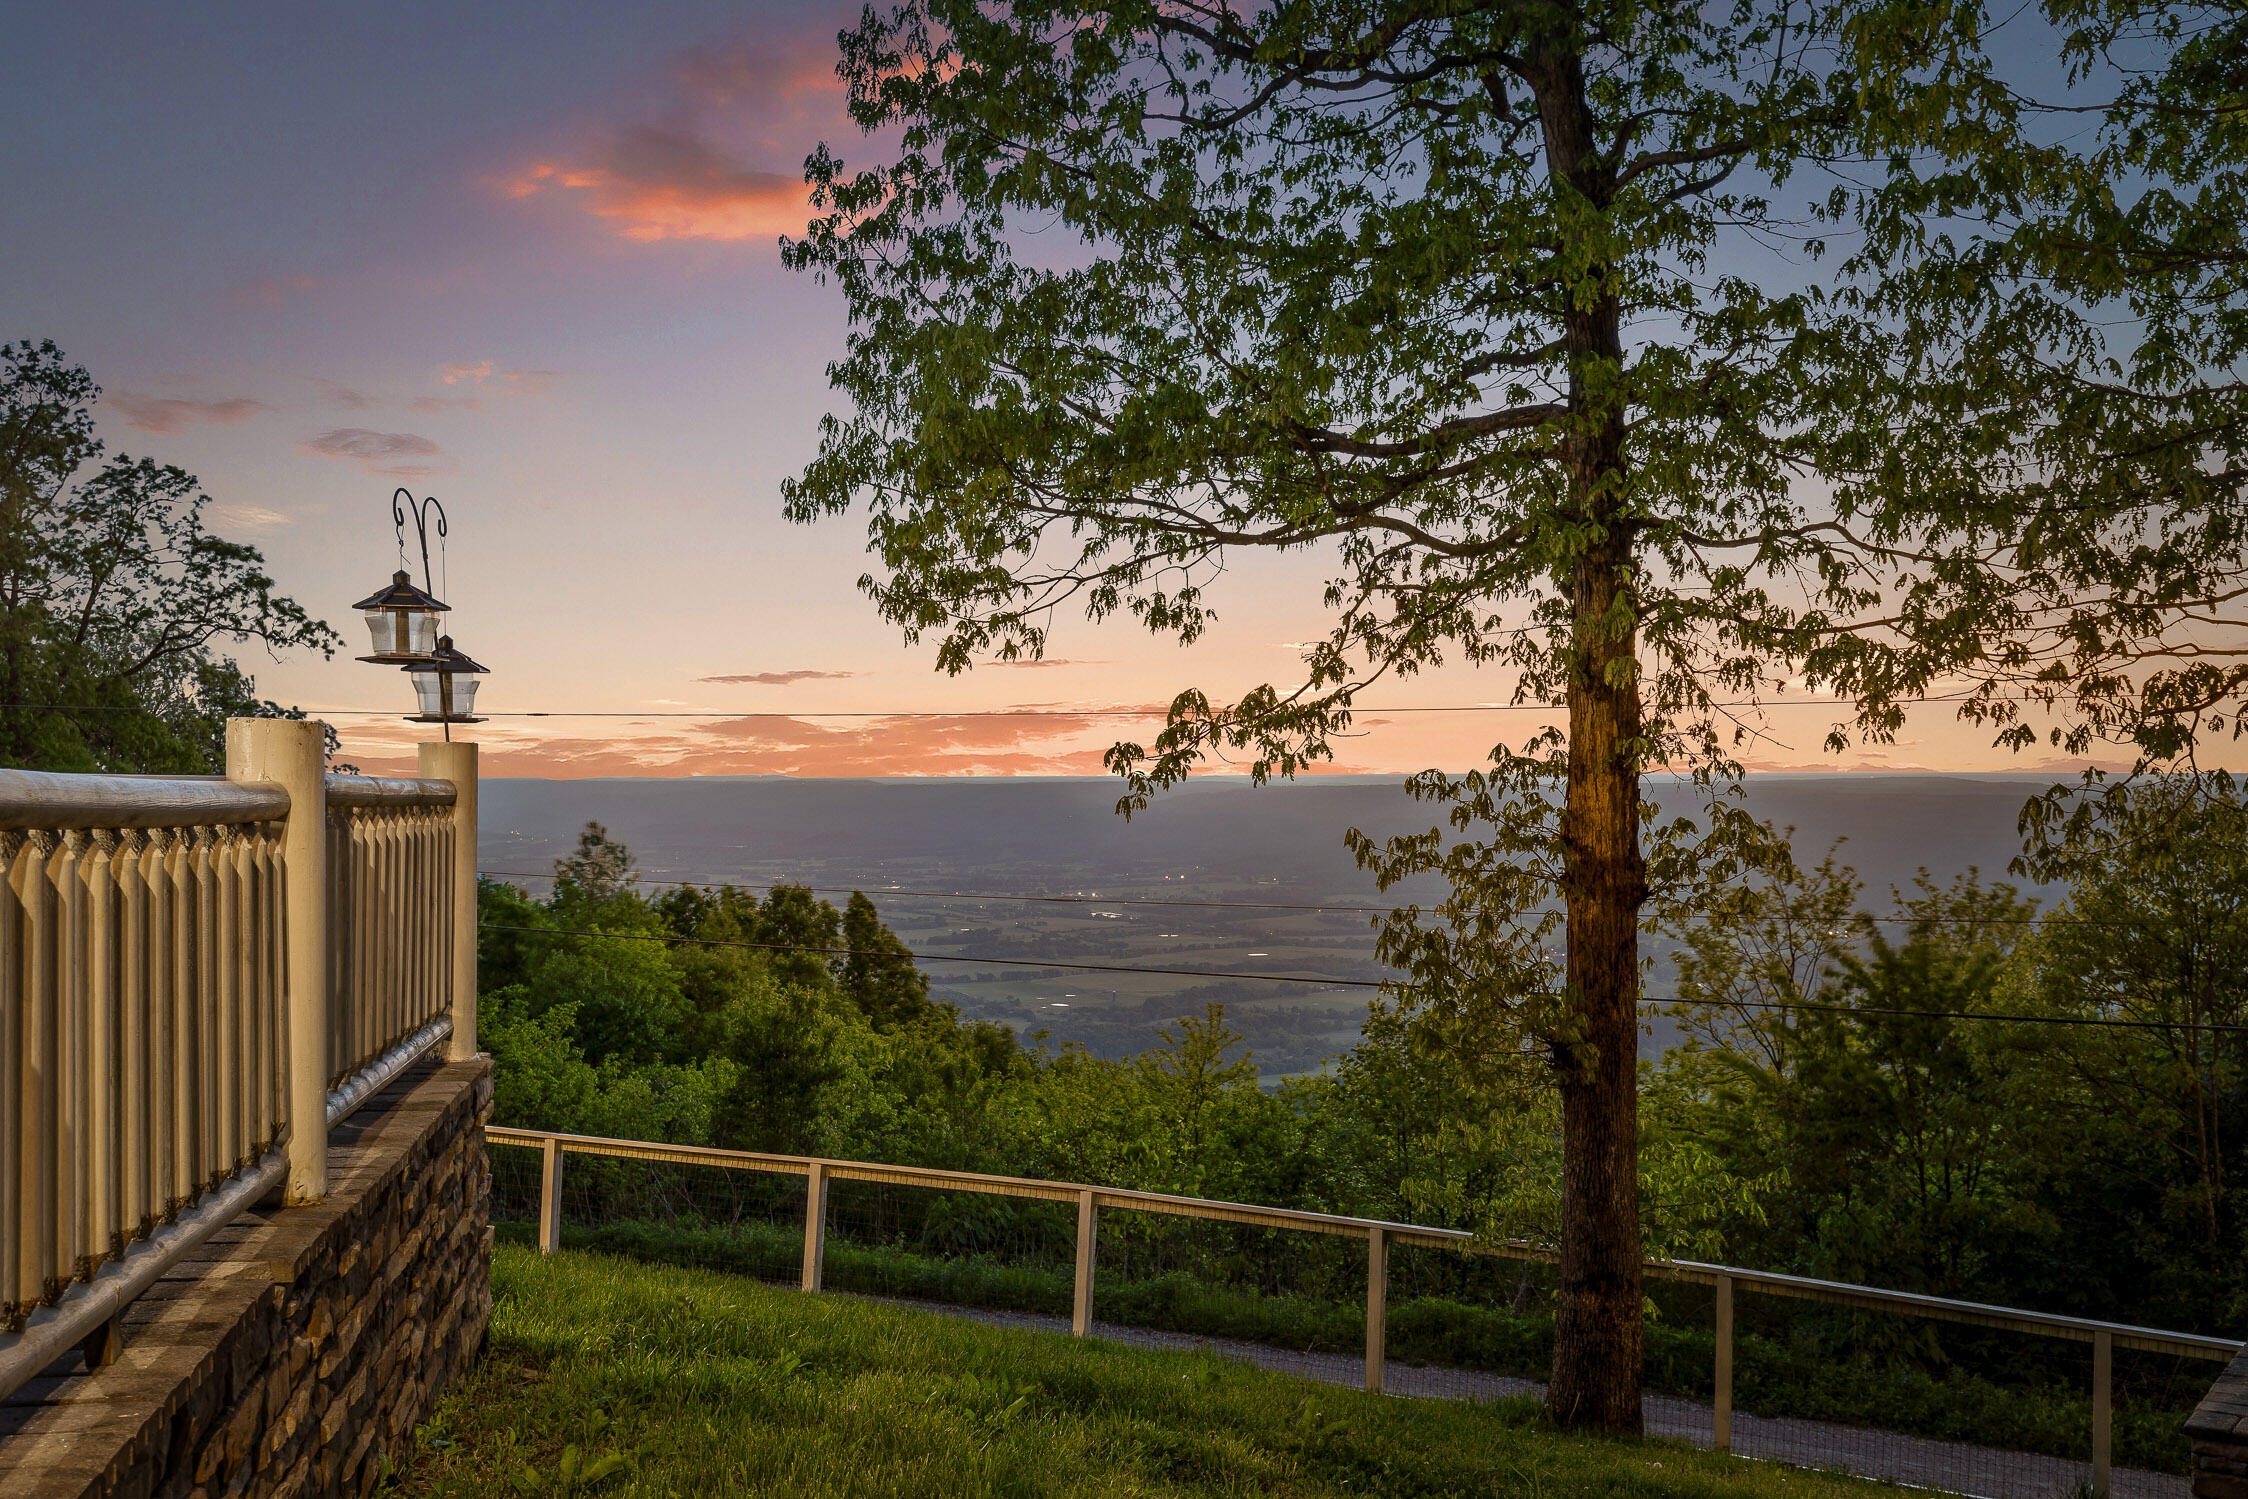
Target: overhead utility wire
{"points": [[1371, 708], [1060, 900], [2091, 1020], [1224, 905], [848, 952], [1290, 978]]}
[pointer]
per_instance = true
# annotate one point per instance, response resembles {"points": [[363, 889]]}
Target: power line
{"points": [[858, 713], [1286, 978], [1231, 905], [2080, 1020], [848, 952], [731, 713], [1059, 900]]}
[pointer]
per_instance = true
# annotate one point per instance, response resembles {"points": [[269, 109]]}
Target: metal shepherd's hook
{"points": [[402, 504]]}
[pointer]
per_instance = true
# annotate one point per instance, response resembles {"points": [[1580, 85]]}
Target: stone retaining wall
{"points": [[297, 1352], [2219, 1432]]}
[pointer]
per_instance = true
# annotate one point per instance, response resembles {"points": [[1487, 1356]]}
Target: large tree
{"points": [[2073, 286], [113, 597], [1516, 311]]}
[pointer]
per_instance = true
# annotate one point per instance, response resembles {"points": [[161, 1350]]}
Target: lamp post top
{"points": [[401, 594]]}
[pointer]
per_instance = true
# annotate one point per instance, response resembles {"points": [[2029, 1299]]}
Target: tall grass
{"points": [[615, 1377], [1771, 1377]]}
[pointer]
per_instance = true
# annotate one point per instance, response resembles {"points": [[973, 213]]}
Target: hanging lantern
{"points": [[446, 685], [402, 620]]}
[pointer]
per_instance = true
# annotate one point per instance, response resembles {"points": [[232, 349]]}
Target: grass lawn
{"points": [[613, 1377]]}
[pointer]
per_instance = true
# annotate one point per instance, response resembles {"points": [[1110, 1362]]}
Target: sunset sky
{"points": [[524, 257]]}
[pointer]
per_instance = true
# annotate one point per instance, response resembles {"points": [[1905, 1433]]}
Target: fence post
{"points": [[105, 1343], [550, 1196], [457, 763], [1721, 1428], [815, 1225], [1377, 1306], [292, 753], [2103, 1388], [1088, 1227]]}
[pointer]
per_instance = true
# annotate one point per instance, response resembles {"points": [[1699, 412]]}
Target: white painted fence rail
{"points": [[198, 976]]}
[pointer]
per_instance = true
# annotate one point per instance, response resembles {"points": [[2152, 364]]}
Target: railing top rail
{"points": [[38, 799], [973, 1181], [1841, 1293], [1941, 1308], [388, 791]]}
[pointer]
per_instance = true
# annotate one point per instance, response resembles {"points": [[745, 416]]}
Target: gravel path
{"points": [[1951, 1467]]}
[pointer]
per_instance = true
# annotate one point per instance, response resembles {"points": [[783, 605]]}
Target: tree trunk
{"points": [[1598, 1326], [1597, 1323]]}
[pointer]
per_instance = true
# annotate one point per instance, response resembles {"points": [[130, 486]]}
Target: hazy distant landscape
{"points": [[1213, 840]]}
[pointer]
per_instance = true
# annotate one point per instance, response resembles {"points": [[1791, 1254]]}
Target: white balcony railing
{"points": [[198, 976]]}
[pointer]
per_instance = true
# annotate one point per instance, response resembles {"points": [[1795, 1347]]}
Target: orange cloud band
{"points": [[653, 184]]}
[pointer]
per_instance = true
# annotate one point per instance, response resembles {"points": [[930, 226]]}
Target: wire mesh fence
{"points": [[1883, 1391], [929, 1244], [1984, 1410], [707, 1216]]}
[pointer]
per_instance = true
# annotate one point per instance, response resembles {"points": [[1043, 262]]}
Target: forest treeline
{"points": [[1944, 1089]]}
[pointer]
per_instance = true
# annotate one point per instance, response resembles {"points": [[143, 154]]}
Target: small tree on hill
{"points": [[598, 868], [1460, 294], [877, 970], [113, 596]]}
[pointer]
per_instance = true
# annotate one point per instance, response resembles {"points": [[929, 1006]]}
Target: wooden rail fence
{"points": [[1380, 1237]]}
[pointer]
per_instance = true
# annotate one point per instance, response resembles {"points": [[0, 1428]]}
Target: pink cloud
{"points": [[482, 377], [173, 414], [652, 184], [769, 744], [484, 374], [336, 393], [711, 152], [256, 517], [399, 454], [777, 678], [775, 746], [962, 745], [744, 77]]}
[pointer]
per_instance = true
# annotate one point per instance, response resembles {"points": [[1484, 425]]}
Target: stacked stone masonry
{"points": [[295, 1354], [2219, 1432]]}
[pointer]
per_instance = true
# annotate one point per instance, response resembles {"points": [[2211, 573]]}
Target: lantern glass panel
{"points": [[402, 632], [445, 694]]}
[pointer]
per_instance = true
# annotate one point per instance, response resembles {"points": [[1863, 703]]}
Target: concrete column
{"points": [[457, 763], [292, 754]]}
